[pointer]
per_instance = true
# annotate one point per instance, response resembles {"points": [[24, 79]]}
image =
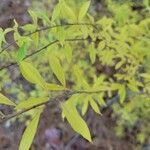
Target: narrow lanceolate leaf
{"points": [[68, 12], [94, 105], [122, 93], [31, 102], [92, 53], [56, 12], [83, 10], [75, 120], [30, 131], [85, 107], [31, 74], [57, 69], [22, 52], [33, 15], [35, 38], [54, 87], [101, 45], [68, 53], [4, 100]]}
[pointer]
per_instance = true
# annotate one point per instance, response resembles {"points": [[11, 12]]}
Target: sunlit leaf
{"points": [[31, 102], [6, 101], [22, 52], [83, 10], [122, 93], [31, 74], [54, 87], [94, 105], [101, 45], [56, 12], [29, 27], [30, 131], [68, 52], [92, 53], [75, 120], [57, 69], [33, 15], [85, 106], [68, 11]]}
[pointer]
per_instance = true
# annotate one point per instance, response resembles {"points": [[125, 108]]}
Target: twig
{"points": [[61, 97]]}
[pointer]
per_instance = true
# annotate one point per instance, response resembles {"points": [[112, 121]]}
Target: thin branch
{"points": [[47, 28], [61, 97], [39, 50], [66, 94]]}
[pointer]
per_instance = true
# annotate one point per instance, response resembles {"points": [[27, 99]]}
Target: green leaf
{"points": [[75, 120], [94, 104], [56, 12], [31, 74], [133, 87], [68, 12], [61, 34], [31, 102], [29, 27], [43, 16], [33, 15], [1, 37], [6, 101], [101, 45], [101, 100], [122, 93], [57, 69], [92, 53], [22, 52], [68, 53], [30, 131], [85, 107], [83, 10], [81, 82], [54, 87], [35, 38]]}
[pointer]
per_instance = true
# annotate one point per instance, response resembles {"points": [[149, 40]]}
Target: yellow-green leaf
{"points": [[31, 74], [92, 53], [35, 38], [85, 106], [68, 53], [33, 15], [100, 100], [29, 27], [68, 12], [6, 101], [30, 131], [83, 10], [54, 87], [122, 93], [31, 102], [57, 69], [94, 105], [56, 12], [22, 52], [133, 87], [101, 45], [75, 120]]}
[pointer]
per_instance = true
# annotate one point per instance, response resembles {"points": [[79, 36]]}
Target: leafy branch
{"points": [[60, 98], [47, 28], [41, 49]]}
